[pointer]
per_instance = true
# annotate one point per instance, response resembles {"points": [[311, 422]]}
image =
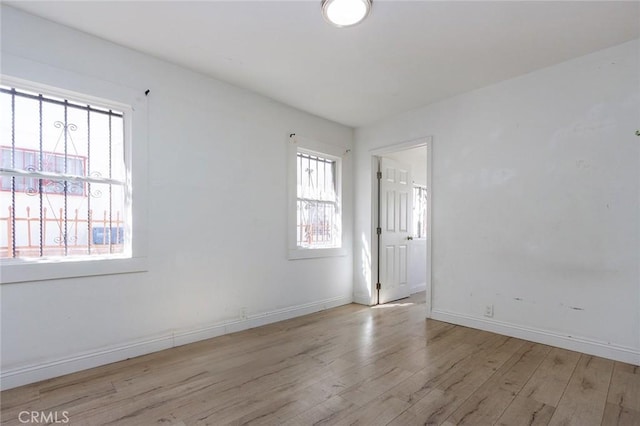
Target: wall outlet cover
{"points": [[488, 311]]}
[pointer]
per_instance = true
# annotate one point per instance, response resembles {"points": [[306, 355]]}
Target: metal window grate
{"points": [[317, 224], [63, 177]]}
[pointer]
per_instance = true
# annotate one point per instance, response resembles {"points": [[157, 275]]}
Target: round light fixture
{"points": [[345, 13]]}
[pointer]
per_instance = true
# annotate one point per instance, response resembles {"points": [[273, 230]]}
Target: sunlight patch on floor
{"points": [[393, 305]]}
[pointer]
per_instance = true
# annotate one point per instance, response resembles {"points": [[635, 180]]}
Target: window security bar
{"points": [[68, 104]]}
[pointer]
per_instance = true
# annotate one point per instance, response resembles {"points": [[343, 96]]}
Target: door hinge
{"points": [[378, 286], [379, 175], [378, 231]]}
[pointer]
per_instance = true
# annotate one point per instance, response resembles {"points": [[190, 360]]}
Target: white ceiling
{"points": [[405, 55]]}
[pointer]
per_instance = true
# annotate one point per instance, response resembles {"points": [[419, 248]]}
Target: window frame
{"points": [[80, 88], [306, 146]]}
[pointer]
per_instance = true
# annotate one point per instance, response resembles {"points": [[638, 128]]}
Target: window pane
{"points": [[107, 219], [419, 212], [78, 234], [20, 223], [52, 135], [316, 178], [76, 140], [118, 170], [317, 224], [27, 133], [107, 147], [53, 224]]}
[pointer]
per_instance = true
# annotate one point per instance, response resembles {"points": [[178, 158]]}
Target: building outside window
{"points": [[52, 162]]}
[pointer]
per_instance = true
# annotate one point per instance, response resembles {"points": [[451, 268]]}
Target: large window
{"points": [[63, 178], [318, 209]]}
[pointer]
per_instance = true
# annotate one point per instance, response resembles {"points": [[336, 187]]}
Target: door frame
{"points": [[375, 154]]}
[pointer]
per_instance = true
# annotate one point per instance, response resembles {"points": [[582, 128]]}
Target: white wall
{"points": [[217, 229], [536, 193], [417, 270]]}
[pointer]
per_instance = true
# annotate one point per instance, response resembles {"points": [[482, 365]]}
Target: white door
{"points": [[396, 201]]}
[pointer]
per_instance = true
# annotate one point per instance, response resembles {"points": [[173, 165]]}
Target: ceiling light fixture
{"points": [[345, 13]]}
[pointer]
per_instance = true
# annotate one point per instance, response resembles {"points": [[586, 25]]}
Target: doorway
{"points": [[401, 212]]}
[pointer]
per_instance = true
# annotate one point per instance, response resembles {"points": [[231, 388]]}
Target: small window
{"points": [[315, 199], [419, 211], [63, 178], [317, 209]]}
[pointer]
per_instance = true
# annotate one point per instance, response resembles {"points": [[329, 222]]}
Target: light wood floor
{"points": [[346, 366]]}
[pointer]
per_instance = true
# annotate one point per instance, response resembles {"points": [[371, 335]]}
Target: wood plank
{"points": [[377, 412], [451, 392], [627, 368], [584, 399], [328, 412], [550, 380], [487, 404], [273, 411], [525, 411], [624, 389], [616, 415], [374, 386], [225, 400], [440, 368]]}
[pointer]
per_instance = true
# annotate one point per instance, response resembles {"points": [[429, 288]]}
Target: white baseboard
{"points": [[36, 372], [591, 347]]}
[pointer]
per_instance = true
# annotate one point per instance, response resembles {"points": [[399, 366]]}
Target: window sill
{"points": [[25, 271], [302, 253]]}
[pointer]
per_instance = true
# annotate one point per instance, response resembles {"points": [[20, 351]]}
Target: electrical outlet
{"points": [[488, 311], [243, 313]]}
